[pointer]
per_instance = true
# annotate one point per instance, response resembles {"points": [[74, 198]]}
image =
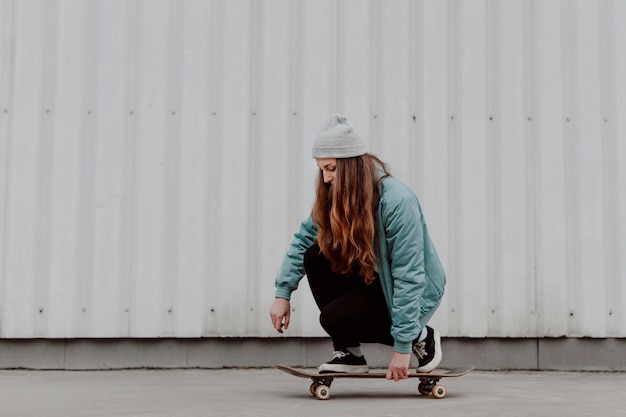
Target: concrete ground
{"points": [[269, 392]]}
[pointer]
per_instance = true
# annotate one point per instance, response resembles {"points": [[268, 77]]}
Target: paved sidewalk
{"points": [[269, 392]]}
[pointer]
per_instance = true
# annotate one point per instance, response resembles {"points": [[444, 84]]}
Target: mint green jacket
{"points": [[411, 274]]}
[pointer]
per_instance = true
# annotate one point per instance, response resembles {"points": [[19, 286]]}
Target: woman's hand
{"points": [[280, 312], [399, 366]]}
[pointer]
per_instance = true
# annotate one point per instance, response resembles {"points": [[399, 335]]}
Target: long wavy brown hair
{"points": [[346, 212]]}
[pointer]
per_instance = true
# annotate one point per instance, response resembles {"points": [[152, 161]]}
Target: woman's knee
{"points": [[328, 320]]}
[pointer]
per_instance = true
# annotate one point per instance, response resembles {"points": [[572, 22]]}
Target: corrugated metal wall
{"points": [[154, 157]]}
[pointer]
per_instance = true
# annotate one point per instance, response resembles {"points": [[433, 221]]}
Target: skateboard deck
{"points": [[429, 382]]}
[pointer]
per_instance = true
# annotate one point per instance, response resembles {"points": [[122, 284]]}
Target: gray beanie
{"points": [[338, 139]]}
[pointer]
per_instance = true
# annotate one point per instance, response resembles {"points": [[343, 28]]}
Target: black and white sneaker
{"points": [[428, 351], [344, 362]]}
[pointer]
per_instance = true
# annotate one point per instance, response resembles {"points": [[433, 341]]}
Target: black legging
{"points": [[350, 310]]}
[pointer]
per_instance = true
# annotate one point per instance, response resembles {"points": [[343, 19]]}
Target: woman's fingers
{"points": [[280, 314]]}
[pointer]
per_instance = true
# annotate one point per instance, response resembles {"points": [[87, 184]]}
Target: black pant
{"points": [[350, 311]]}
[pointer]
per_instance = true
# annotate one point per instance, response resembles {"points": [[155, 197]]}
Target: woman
{"points": [[372, 268]]}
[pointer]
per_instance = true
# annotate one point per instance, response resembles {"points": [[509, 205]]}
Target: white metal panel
{"points": [[191, 303], [109, 272], [469, 169], [64, 215], [6, 83], [616, 93], [589, 174], [272, 148], [21, 232], [155, 157], [549, 172], [434, 125]]}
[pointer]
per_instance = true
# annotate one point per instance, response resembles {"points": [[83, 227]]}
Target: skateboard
{"points": [[429, 382]]}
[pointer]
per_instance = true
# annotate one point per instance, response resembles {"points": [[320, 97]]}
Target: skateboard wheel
{"points": [[322, 392], [313, 389], [423, 389], [439, 391]]}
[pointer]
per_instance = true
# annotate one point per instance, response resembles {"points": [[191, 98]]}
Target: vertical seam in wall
{"points": [[294, 142], [45, 161], [294, 147], [454, 150], [376, 104], [416, 83], [214, 93], [618, 126], [84, 249], [610, 163], [572, 216], [493, 169], [128, 207], [496, 183], [256, 44], [170, 256], [530, 166], [537, 173]]}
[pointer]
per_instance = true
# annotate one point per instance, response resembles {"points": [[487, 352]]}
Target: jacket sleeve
{"points": [[292, 268], [405, 245]]}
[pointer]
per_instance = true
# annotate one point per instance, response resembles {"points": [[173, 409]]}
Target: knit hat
{"points": [[338, 139]]}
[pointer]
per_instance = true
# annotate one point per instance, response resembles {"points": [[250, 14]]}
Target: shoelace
{"points": [[419, 349], [338, 354]]}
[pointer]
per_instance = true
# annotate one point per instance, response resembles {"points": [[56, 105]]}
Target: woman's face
{"points": [[328, 167]]}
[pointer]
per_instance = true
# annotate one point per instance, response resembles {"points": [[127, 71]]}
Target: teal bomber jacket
{"points": [[411, 273]]}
